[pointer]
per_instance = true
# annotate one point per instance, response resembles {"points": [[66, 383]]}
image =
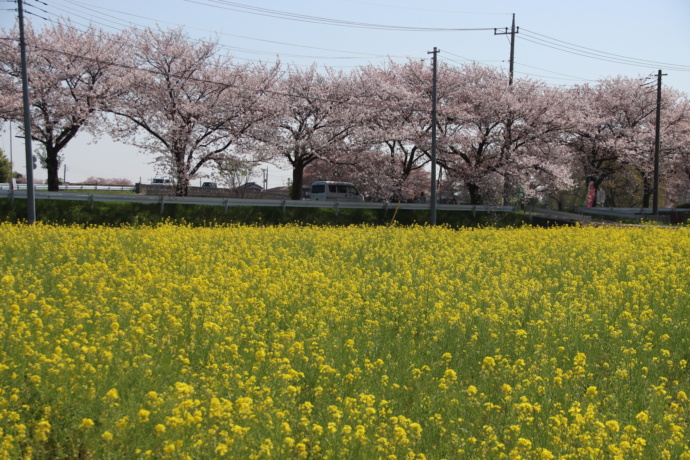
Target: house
{"points": [[250, 187]]}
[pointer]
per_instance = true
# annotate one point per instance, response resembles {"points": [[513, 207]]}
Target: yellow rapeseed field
{"points": [[360, 342]]}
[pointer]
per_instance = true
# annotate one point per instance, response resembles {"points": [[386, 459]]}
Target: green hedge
{"points": [[114, 214]]}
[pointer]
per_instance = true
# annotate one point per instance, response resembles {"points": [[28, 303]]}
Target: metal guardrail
{"points": [[162, 200], [105, 188], [558, 215], [629, 210], [639, 214], [227, 202]]}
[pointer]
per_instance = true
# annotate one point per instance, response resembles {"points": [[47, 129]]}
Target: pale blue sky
{"points": [[562, 42]]}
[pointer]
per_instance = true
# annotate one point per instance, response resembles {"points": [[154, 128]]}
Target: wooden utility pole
{"points": [[30, 195], [432, 217], [657, 142], [512, 33]]}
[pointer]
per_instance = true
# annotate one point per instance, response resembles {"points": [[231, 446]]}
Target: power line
{"points": [[120, 23], [113, 21], [560, 45], [241, 8], [223, 33], [428, 10], [570, 77], [470, 59], [604, 52]]}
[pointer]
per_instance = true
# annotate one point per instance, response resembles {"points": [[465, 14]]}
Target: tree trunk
{"points": [[53, 167], [181, 173], [647, 190], [182, 186], [507, 189], [475, 194], [297, 180]]}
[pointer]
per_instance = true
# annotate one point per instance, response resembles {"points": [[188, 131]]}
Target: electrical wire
{"points": [[483, 61], [103, 17], [570, 77], [603, 52], [77, 3], [242, 8], [107, 20], [426, 10], [577, 50]]}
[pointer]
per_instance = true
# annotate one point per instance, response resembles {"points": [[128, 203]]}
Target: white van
{"points": [[334, 191]]}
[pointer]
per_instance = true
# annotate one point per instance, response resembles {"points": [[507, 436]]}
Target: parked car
{"points": [[209, 185], [334, 191]]}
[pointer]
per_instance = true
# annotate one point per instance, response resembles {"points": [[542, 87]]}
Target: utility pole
{"points": [[12, 186], [507, 180], [655, 203], [432, 217], [265, 172], [512, 33], [30, 195]]}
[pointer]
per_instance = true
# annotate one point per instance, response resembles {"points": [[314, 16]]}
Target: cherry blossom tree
{"points": [[182, 102], [595, 133], [234, 173], [534, 162], [114, 181], [397, 110], [674, 135], [494, 135], [398, 114], [69, 74], [469, 135], [313, 120], [675, 145], [613, 127]]}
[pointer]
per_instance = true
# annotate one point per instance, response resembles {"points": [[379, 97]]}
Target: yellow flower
{"points": [[221, 449], [41, 430], [107, 436], [86, 423], [613, 426], [7, 281], [506, 389], [580, 360], [122, 423], [143, 415], [415, 430], [524, 443], [546, 454]]}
